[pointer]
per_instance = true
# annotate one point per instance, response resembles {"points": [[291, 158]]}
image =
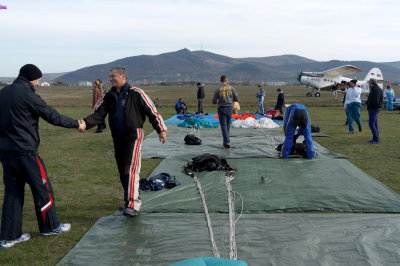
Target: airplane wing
{"points": [[341, 71]]}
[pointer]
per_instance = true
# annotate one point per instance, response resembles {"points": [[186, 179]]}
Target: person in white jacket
{"points": [[352, 106]]}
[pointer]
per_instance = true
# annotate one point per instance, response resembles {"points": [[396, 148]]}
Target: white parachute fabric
{"points": [[253, 123]]}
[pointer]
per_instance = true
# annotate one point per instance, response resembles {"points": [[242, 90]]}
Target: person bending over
{"points": [[296, 118]]}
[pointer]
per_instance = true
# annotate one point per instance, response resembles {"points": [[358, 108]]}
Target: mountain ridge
{"points": [[185, 65]]}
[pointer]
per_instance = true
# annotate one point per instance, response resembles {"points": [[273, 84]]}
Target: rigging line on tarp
{"points": [[203, 202], [231, 207]]}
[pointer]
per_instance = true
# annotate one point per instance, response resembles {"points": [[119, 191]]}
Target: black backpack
{"points": [[158, 182], [192, 140], [207, 162]]}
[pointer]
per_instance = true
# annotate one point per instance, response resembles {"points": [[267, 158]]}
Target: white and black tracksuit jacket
{"points": [[127, 111]]}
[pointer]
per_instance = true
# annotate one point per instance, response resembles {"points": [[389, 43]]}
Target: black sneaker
{"points": [[360, 128], [130, 212]]}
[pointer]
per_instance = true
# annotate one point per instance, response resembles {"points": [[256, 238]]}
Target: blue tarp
{"points": [[175, 120]]}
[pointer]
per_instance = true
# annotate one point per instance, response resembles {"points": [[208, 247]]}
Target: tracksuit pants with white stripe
{"points": [[128, 157], [18, 170]]}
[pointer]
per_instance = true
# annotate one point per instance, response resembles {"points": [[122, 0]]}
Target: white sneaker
{"points": [[10, 243], [61, 229]]}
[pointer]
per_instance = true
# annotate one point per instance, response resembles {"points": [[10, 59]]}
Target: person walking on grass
{"points": [[127, 108], [200, 96], [352, 106], [224, 96], [260, 97], [389, 92], [20, 110], [374, 105], [280, 101]]}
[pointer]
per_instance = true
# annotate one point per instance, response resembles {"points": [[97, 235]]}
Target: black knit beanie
{"points": [[30, 72]]}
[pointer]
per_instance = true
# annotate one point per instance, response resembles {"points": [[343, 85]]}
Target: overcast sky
{"points": [[60, 36]]}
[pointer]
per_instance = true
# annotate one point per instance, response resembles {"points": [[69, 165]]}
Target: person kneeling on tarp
{"points": [[296, 117]]}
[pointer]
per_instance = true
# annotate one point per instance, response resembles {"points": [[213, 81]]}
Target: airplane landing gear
{"points": [[309, 94], [317, 94]]}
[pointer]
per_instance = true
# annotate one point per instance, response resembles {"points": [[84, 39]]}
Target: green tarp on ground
{"points": [[246, 143], [270, 185], [171, 225], [262, 239]]}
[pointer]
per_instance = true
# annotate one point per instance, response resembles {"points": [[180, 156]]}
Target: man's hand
{"points": [[82, 125], [163, 137]]}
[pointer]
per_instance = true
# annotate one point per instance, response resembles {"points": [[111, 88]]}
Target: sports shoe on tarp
{"points": [[129, 212], [61, 229], [10, 243]]}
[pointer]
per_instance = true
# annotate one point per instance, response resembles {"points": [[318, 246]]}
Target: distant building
{"points": [[45, 84], [84, 84], [275, 83]]}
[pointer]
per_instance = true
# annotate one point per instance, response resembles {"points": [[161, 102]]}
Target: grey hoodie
{"points": [[225, 95]]}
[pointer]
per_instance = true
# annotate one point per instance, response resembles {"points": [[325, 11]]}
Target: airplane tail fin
{"points": [[374, 73]]}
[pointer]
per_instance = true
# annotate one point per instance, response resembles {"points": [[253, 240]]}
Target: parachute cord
{"points": [[210, 230], [269, 137], [231, 207]]}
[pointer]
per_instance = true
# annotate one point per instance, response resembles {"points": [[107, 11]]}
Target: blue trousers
{"points": [[289, 143], [261, 104], [225, 118], [389, 105], [353, 112], [373, 123]]}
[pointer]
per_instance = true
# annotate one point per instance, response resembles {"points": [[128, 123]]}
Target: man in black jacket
{"points": [[200, 97], [20, 109], [374, 105], [127, 108]]}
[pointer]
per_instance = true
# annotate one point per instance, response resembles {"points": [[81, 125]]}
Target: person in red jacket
{"points": [[127, 108]]}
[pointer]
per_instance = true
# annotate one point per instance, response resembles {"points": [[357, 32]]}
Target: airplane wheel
{"points": [[317, 94], [309, 94]]}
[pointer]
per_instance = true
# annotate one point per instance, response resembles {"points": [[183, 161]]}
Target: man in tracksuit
{"points": [[374, 105], [20, 109], [127, 108], [225, 95], [296, 117]]}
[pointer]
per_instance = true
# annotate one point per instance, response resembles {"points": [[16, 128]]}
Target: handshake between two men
{"points": [[82, 125], [162, 135]]}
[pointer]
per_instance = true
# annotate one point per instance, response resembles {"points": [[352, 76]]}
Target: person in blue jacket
{"points": [[389, 92], [296, 118], [180, 106]]}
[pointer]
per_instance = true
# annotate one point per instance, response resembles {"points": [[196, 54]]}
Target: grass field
{"points": [[82, 169]]}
